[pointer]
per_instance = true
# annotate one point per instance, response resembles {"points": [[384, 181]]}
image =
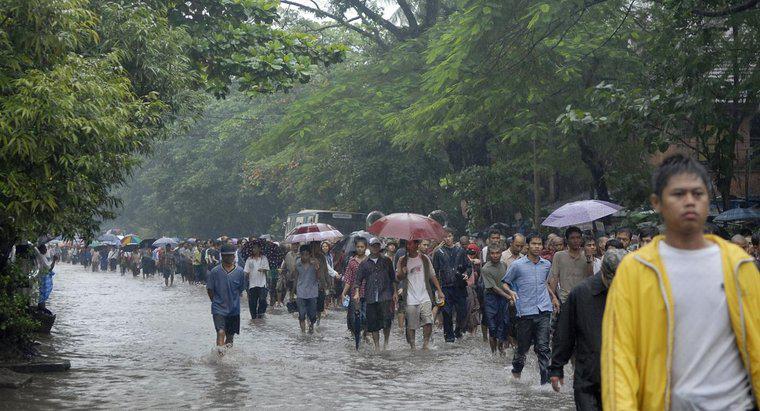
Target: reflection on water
{"points": [[135, 344]]}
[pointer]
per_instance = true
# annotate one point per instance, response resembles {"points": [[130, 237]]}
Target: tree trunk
{"points": [[595, 167]]}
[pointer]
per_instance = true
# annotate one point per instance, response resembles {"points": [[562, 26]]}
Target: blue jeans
{"points": [[533, 329], [496, 315], [456, 300], [307, 307]]}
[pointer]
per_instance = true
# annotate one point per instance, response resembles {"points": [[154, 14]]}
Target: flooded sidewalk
{"points": [[134, 343]]}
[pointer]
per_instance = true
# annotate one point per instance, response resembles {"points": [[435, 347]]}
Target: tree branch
{"points": [[362, 8], [339, 20], [729, 11], [409, 14], [432, 9]]}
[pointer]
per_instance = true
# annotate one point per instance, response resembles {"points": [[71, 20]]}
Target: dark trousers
{"points": [[351, 314], [496, 315], [456, 301], [307, 308], [588, 399], [198, 272], [257, 301], [533, 329]]}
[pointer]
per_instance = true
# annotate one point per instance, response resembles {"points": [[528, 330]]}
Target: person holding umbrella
{"points": [[166, 264], [417, 270], [376, 274]]}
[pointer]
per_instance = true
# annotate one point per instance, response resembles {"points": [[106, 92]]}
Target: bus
{"points": [[344, 221]]}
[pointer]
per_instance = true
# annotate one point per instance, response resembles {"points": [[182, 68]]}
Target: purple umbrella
{"points": [[579, 212]]}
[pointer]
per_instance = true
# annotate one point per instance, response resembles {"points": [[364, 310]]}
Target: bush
{"points": [[16, 323]]}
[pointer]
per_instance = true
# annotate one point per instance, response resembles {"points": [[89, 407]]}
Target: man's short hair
{"points": [[450, 230], [303, 248], [588, 239], [613, 243], [648, 232], [494, 231], [624, 230], [677, 164], [572, 229], [531, 236]]}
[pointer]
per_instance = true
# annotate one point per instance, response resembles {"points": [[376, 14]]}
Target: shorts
{"points": [[307, 307], [167, 273], [419, 315], [229, 323], [379, 316]]}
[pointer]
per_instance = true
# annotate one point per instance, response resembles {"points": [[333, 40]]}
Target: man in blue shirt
{"points": [[225, 283], [527, 277]]}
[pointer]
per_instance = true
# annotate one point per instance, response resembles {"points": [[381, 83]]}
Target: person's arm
{"points": [[360, 274], [264, 264], [401, 269], [510, 276], [620, 379], [551, 286], [563, 343], [210, 285], [589, 264]]}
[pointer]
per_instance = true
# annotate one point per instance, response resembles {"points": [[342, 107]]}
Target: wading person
{"points": [[681, 327], [377, 276], [527, 278], [307, 288], [496, 300], [451, 265], [224, 285], [579, 335], [569, 267], [417, 269], [167, 265], [349, 279], [256, 268]]}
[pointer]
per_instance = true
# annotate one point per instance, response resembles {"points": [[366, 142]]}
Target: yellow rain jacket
{"points": [[637, 330]]}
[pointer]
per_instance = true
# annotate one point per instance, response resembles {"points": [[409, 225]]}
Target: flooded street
{"points": [[133, 343]]}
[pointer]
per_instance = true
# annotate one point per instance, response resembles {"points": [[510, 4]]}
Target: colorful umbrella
{"points": [[130, 239], [306, 233], [579, 212], [408, 226]]}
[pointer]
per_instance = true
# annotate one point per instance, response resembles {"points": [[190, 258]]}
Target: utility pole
{"points": [[536, 194]]}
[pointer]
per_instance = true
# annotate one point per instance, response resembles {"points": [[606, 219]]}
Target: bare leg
{"points": [[410, 338], [427, 331], [484, 330], [220, 337], [493, 343], [386, 336], [302, 323], [376, 340]]}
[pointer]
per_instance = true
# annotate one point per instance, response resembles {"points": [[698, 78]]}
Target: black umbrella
{"points": [[148, 242], [357, 326]]}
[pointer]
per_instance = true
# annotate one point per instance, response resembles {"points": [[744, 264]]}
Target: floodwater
{"points": [[134, 343]]}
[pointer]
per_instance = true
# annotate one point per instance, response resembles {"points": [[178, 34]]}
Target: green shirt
{"points": [[492, 274]]}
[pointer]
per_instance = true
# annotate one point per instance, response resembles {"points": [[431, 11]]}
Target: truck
{"points": [[346, 222]]}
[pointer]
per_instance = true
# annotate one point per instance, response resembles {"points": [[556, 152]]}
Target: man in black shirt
{"points": [[451, 266], [579, 333]]}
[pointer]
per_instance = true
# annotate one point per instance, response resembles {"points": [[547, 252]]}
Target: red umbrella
{"points": [[305, 233], [408, 226]]}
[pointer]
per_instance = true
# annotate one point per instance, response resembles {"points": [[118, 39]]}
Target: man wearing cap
{"points": [[376, 272], [579, 334], [224, 285]]}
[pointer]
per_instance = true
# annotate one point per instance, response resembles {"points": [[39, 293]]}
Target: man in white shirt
{"points": [[256, 269]]}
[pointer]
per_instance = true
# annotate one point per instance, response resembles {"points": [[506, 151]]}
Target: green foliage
{"points": [[16, 324]]}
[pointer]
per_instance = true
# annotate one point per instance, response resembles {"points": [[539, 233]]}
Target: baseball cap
{"points": [[227, 249], [375, 240]]}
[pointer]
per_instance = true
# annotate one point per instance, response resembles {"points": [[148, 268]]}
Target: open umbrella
{"points": [[739, 214], [305, 233], [147, 242], [579, 212], [109, 239], [349, 246], [272, 251], [164, 241], [130, 239], [130, 247], [408, 226]]}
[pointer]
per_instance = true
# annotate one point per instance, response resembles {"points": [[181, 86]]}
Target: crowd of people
{"points": [[648, 320]]}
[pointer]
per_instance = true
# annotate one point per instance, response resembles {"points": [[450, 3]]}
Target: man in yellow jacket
{"points": [[681, 328]]}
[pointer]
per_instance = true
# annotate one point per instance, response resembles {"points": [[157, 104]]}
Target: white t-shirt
{"points": [[415, 282], [707, 371], [597, 265], [252, 266]]}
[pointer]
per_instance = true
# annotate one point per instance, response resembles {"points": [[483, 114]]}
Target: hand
{"points": [[475, 261], [395, 299], [557, 382], [513, 297], [555, 305]]}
